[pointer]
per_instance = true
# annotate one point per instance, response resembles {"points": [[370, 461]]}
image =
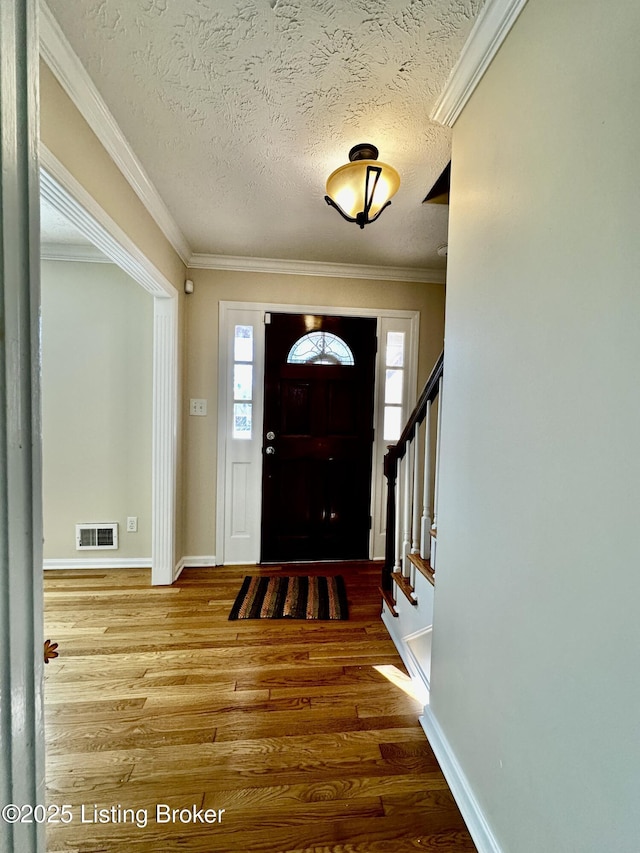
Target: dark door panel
{"points": [[317, 467]]}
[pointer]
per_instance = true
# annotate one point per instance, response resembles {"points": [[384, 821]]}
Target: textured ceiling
{"points": [[56, 228], [239, 109]]}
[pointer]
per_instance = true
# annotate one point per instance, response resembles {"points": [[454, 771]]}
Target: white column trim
{"points": [[72, 76], [22, 769], [491, 28], [164, 440]]}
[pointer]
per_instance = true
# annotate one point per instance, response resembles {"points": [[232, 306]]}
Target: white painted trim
{"points": [[197, 562], [491, 28], [67, 195], [164, 450], [416, 668], [410, 394], [222, 428], [72, 252], [393, 625], [98, 563], [236, 548], [462, 792], [332, 310], [292, 267], [22, 753], [192, 563], [72, 76]]}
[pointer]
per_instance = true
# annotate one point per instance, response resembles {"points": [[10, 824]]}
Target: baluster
{"points": [[408, 531], [397, 567], [407, 475], [435, 491], [415, 526], [391, 474], [426, 520]]}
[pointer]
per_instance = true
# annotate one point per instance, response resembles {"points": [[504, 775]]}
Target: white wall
{"points": [[537, 632], [97, 329]]}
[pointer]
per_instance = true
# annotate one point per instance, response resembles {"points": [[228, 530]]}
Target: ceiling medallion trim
{"points": [[490, 30], [72, 76], [318, 268]]}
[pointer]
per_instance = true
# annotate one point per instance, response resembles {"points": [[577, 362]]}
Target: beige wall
{"points": [[536, 631], [97, 331], [67, 135], [211, 287]]}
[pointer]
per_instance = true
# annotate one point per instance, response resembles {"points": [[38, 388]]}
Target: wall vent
{"points": [[97, 536]]}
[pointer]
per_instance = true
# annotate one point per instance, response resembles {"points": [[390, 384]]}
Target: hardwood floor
{"points": [[283, 730]]}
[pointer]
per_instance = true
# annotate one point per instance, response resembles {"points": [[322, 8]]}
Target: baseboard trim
{"points": [[459, 784], [99, 563], [408, 658], [201, 562], [417, 666]]}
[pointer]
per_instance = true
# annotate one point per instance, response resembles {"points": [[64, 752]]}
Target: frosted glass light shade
{"points": [[348, 189], [362, 188]]}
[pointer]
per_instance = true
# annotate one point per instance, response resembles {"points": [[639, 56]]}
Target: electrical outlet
{"points": [[198, 407], [132, 524]]}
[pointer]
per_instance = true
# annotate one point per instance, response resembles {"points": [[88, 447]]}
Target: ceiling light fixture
{"points": [[362, 188]]}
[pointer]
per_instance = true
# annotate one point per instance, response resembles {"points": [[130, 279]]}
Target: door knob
{"points": [[270, 450], [270, 435]]}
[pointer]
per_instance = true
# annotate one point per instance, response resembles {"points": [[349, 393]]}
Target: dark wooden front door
{"points": [[317, 437]]}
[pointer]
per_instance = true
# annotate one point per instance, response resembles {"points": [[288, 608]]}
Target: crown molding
{"points": [[72, 76], [59, 187], [491, 28], [289, 267], [72, 252]]}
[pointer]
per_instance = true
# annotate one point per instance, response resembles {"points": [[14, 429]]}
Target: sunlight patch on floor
{"points": [[410, 686]]}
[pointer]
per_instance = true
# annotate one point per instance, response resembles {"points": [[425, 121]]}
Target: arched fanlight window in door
{"points": [[320, 348]]}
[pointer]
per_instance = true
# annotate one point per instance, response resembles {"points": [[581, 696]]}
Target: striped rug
{"points": [[307, 597]]}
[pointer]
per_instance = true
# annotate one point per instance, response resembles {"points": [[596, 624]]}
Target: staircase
{"points": [[408, 576]]}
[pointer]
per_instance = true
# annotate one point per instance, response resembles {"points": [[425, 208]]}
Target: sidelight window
{"points": [[394, 385], [243, 358], [320, 348]]}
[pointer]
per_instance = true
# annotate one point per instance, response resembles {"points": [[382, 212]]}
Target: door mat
{"points": [[306, 597]]}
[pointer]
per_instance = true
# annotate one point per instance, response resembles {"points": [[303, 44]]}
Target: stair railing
{"points": [[411, 516]]}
